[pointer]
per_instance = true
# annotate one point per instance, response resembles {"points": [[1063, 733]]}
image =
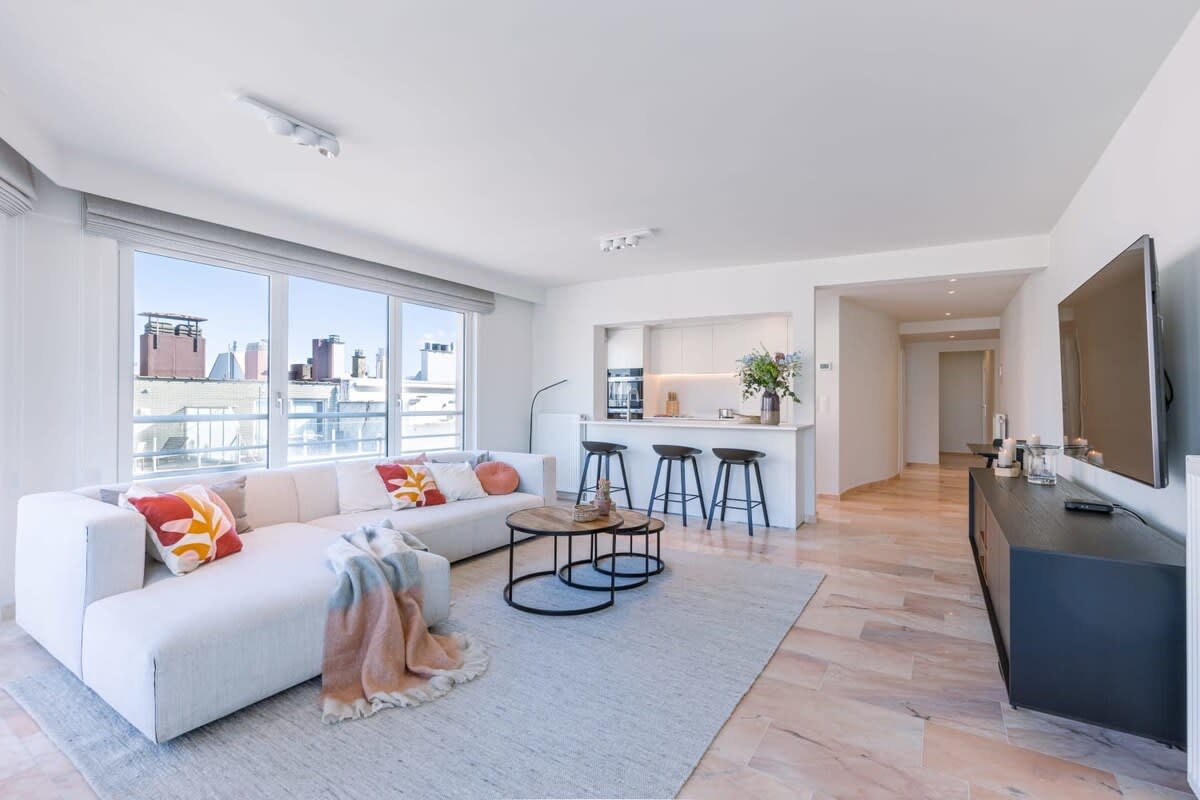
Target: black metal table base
{"points": [[656, 560], [555, 612]]}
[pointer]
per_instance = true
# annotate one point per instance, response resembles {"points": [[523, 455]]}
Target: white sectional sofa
{"points": [[172, 653]]}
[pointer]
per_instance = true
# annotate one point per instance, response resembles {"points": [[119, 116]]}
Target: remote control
{"points": [[1096, 506]]}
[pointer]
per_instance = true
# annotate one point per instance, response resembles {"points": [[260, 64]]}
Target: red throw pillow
{"points": [[410, 485], [188, 527], [497, 477]]}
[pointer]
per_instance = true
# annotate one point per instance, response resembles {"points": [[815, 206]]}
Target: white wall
{"points": [[58, 311], [1147, 181], [503, 375], [960, 400], [921, 436], [868, 377], [58, 343]]}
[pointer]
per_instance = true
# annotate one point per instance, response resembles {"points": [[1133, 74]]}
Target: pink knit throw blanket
{"points": [[378, 651]]}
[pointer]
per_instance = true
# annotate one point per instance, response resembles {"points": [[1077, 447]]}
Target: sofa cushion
{"points": [[457, 481], [496, 477], [472, 457], [359, 487], [316, 490], [454, 530], [186, 650], [410, 485], [187, 527]]}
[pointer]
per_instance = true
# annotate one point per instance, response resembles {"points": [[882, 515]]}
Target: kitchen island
{"points": [[788, 447]]}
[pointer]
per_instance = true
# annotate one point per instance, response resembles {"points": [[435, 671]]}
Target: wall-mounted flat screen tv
{"points": [[1114, 406]]}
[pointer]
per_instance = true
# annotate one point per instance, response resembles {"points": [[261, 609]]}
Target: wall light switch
{"points": [[825, 366]]}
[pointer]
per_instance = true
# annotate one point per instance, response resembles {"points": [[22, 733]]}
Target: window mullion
{"points": [[394, 374], [277, 375]]}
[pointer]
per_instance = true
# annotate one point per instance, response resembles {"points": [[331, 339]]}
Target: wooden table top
{"points": [[632, 520], [559, 521]]}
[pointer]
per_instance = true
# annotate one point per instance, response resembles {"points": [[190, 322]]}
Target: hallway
{"points": [[888, 686]]}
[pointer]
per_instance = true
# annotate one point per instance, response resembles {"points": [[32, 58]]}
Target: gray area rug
{"points": [[621, 703]]}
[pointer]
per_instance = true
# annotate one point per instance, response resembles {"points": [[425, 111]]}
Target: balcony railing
{"points": [[176, 445]]}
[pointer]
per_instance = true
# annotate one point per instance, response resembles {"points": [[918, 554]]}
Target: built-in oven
{"points": [[625, 393]]}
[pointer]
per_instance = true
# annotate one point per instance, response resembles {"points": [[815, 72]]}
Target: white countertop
{"points": [[693, 422]]}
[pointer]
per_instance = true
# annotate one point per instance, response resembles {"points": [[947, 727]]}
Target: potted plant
{"points": [[772, 375]]}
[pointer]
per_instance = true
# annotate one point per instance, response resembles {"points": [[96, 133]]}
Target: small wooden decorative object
{"points": [[1008, 472]]}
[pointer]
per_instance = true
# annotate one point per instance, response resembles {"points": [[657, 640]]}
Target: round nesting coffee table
{"points": [[648, 527], [556, 522], [633, 523]]}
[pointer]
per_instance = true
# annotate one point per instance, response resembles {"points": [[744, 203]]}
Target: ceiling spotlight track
{"points": [[623, 241], [281, 123]]}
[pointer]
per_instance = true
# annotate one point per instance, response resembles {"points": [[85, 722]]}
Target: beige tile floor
{"points": [[887, 686]]}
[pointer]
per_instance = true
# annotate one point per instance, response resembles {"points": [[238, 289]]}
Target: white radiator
{"points": [[556, 434], [1193, 622]]}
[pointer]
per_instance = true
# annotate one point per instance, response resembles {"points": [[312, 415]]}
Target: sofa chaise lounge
{"points": [[172, 653]]}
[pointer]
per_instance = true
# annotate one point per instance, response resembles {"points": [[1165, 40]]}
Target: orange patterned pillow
{"points": [[410, 485], [188, 527]]}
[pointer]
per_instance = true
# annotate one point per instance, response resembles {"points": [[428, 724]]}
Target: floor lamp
{"points": [[534, 400]]}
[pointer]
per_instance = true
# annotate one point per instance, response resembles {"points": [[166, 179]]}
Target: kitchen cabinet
{"points": [[696, 349], [666, 353], [625, 348], [729, 344], [714, 348]]}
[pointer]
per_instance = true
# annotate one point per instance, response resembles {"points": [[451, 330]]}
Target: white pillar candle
{"points": [[1004, 459], [1034, 439]]}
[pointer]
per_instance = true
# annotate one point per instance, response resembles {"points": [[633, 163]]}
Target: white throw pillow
{"points": [[457, 481], [360, 488]]}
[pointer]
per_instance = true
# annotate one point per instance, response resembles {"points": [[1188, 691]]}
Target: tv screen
{"points": [[1113, 402]]}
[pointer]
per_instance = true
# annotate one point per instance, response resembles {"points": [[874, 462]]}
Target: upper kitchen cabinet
{"points": [[696, 349], [714, 347], [768, 332], [625, 348], [729, 344], [666, 350]]}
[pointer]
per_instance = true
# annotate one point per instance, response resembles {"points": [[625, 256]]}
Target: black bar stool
{"points": [[603, 451], [747, 458], [671, 453]]}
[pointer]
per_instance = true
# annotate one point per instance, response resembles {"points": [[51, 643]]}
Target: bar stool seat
{"points": [[729, 457], [735, 456], [603, 451], [670, 453]]}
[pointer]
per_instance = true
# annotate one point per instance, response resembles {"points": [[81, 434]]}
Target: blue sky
{"points": [[236, 305]]}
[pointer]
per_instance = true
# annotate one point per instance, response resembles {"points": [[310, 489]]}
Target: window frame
{"points": [[277, 382]]}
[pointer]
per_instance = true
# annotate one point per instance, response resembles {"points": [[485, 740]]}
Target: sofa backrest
{"points": [[273, 496]]}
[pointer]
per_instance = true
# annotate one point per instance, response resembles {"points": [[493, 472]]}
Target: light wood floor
{"points": [[887, 686]]}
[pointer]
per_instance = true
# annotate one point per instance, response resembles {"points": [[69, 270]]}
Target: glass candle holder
{"points": [[1041, 463]]}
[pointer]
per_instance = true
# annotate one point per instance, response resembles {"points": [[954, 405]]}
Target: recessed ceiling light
{"points": [[947, 313], [952, 336], [950, 292], [952, 280]]}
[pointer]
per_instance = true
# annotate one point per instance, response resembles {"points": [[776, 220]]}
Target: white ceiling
{"points": [[973, 297], [511, 135]]}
